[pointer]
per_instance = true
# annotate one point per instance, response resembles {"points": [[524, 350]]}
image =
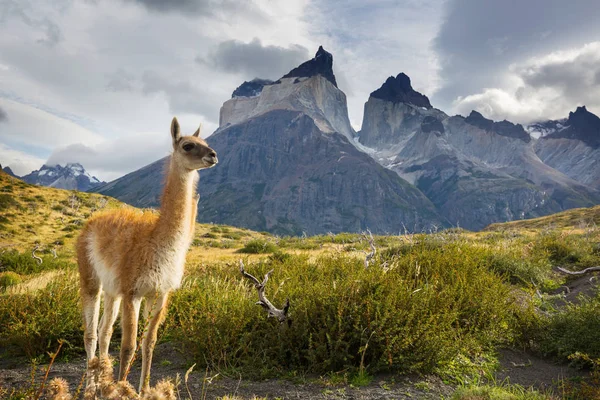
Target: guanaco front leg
{"points": [[158, 307]]}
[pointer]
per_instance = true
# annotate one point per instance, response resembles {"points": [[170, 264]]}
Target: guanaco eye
{"points": [[188, 146]]}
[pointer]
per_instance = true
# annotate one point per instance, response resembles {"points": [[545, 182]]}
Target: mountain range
{"points": [[290, 161], [72, 176]]}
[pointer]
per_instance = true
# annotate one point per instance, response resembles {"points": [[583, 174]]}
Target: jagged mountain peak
{"points": [[503, 128], [581, 125], [321, 64], [8, 171], [399, 90]]}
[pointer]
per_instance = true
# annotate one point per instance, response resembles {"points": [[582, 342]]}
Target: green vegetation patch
{"points": [[29, 321], [416, 314], [258, 246], [26, 264]]}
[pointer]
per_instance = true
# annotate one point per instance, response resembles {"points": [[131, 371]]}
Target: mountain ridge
{"points": [[468, 171]]}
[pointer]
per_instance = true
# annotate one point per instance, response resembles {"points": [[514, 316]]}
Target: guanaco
{"points": [[127, 256]]}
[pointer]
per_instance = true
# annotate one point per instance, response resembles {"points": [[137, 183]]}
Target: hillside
{"points": [[577, 218]]}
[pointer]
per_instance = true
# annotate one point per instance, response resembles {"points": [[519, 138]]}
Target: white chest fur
{"points": [[166, 271]]}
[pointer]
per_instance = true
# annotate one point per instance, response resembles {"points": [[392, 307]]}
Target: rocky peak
{"points": [[8, 171], [479, 121], [251, 88], [502, 128], [586, 126], [71, 176], [399, 90], [321, 64], [581, 125]]}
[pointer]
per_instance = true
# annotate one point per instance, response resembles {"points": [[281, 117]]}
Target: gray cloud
{"points": [[203, 7], [27, 13], [548, 87], [120, 81], [479, 39], [253, 60], [182, 96], [3, 115], [208, 8], [106, 161]]}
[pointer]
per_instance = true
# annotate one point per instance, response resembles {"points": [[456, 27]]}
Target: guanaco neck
{"points": [[176, 202]]}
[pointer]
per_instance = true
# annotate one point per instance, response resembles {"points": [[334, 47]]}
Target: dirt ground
{"points": [[516, 367]]}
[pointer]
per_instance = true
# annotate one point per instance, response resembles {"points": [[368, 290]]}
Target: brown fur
{"points": [[129, 255]]}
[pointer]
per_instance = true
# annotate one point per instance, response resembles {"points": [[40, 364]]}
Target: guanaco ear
{"points": [[175, 132], [197, 133]]}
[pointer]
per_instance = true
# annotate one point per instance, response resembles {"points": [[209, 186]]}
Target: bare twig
{"points": [[585, 271], [281, 315], [36, 257], [52, 358], [370, 255], [185, 380]]}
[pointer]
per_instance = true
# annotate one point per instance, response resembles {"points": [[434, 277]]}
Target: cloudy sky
{"points": [[98, 81]]}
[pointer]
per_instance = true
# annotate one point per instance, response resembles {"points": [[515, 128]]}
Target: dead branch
{"points": [[37, 258], [281, 315], [370, 255], [585, 271]]}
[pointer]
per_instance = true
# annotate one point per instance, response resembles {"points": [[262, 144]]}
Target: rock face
{"points": [[475, 171], [572, 146], [322, 65], [279, 172], [309, 88], [72, 176]]}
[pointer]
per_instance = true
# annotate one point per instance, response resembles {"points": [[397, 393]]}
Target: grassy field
{"points": [[438, 304]]}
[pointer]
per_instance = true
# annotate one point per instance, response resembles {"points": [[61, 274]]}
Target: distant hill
{"points": [[577, 218]]}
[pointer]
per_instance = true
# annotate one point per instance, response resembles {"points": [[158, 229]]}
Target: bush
{"points": [[25, 264], [29, 321], [9, 279], [258, 246], [430, 307], [574, 329], [7, 201]]}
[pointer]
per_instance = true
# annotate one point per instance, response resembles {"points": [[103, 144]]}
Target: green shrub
{"points": [[504, 392], [279, 257], [430, 307], [9, 278], [33, 323], [258, 246], [25, 264], [7, 201], [573, 329]]}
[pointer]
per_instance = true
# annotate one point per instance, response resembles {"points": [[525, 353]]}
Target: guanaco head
{"points": [[192, 152]]}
